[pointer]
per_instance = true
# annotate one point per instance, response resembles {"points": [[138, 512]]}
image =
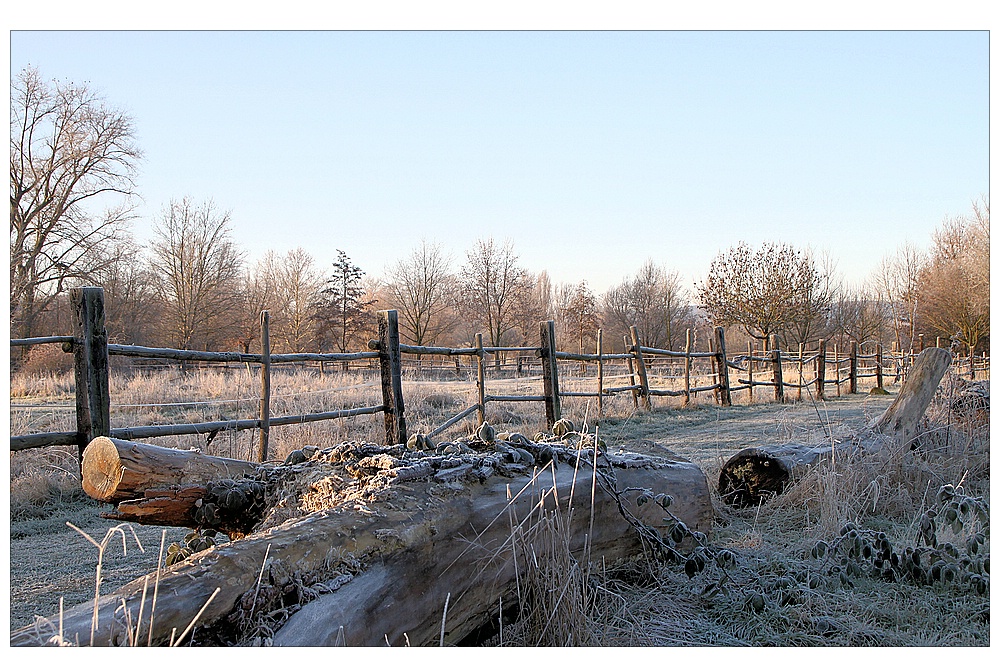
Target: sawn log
{"points": [[380, 566], [116, 470], [160, 486], [756, 474]]}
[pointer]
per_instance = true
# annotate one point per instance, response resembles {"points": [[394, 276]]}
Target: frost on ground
{"points": [[777, 594]]}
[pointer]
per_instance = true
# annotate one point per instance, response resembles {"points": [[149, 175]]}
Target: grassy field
{"points": [[779, 590]]}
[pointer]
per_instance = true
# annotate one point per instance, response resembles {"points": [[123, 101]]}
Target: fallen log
{"points": [[755, 474], [400, 534], [114, 470], [160, 486]]}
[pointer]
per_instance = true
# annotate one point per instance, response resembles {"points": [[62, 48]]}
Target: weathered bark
{"points": [[755, 474], [116, 470], [388, 603], [161, 507], [233, 507], [90, 364], [442, 538], [903, 417]]}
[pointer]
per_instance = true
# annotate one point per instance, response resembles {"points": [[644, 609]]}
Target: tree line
{"points": [[193, 287]]}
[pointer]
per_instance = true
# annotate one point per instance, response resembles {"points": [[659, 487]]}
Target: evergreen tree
{"points": [[342, 313]]}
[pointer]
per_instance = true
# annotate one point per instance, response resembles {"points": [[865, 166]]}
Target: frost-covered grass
{"points": [[776, 594]]}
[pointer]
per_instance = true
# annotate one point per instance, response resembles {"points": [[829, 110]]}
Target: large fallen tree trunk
{"points": [[755, 474], [400, 535]]}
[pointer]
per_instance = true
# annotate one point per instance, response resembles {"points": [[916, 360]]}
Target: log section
{"points": [[902, 419], [115, 470]]}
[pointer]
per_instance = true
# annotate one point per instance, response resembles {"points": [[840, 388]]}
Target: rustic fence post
{"points": [[550, 372], [640, 366], [391, 372], [631, 375], [687, 367], [798, 395], [750, 363], [600, 374], [90, 366], [821, 370], [779, 382], [878, 365], [481, 377], [714, 361], [265, 385], [836, 356], [853, 381], [720, 338]]}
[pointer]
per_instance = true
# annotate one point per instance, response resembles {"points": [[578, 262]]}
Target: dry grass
{"points": [[778, 594], [565, 599]]}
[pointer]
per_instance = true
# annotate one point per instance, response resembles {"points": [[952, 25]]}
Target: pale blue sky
{"points": [[592, 151]]}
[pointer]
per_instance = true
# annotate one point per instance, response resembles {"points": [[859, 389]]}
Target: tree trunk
{"points": [[755, 474], [453, 537]]}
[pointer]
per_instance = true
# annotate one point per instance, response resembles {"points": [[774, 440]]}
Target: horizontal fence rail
{"points": [[640, 363]]}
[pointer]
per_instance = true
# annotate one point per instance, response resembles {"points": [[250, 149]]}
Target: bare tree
{"points": [[200, 273], [655, 302], [861, 315], [422, 288], [542, 296], [256, 294], [536, 303], [69, 154], [812, 305], [897, 281], [979, 244], [954, 284], [297, 284], [761, 290], [130, 296], [579, 314], [675, 310], [493, 286]]}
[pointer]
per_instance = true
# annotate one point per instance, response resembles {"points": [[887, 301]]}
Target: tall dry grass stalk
{"points": [[556, 598]]}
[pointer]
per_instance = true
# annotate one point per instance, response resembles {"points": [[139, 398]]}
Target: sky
{"points": [[591, 151]]}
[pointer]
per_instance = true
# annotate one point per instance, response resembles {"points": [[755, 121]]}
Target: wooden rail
{"points": [[91, 352]]}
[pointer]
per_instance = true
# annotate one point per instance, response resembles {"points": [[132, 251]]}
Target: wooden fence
{"points": [[727, 375]]}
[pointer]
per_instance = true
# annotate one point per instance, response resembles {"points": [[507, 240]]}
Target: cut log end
{"points": [[102, 469], [751, 477]]}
